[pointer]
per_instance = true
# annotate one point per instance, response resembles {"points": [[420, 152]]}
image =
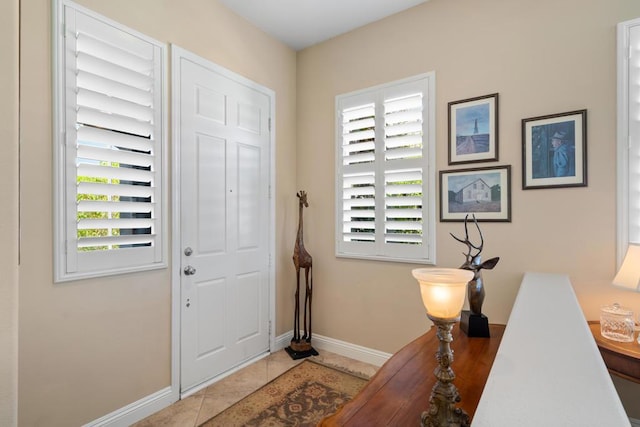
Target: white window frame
{"points": [[628, 144], [69, 262], [423, 253]]}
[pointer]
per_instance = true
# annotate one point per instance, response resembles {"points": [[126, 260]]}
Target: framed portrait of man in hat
{"points": [[554, 151]]}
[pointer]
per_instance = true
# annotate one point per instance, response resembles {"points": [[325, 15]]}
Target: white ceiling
{"points": [[303, 23]]}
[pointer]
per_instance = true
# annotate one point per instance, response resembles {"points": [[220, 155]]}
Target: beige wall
{"points": [[93, 346], [9, 213], [543, 57]]}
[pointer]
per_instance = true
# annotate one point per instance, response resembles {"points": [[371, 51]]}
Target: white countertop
{"points": [[548, 370]]}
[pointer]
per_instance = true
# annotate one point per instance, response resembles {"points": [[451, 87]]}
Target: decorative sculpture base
{"points": [[300, 349], [474, 325]]}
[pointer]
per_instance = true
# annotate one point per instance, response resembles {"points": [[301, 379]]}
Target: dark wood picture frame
{"points": [[554, 151], [484, 192], [473, 130]]}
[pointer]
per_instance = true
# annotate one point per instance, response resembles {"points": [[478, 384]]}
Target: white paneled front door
{"points": [[224, 141]]}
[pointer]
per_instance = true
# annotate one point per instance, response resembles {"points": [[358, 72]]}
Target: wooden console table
{"points": [[399, 392], [622, 358]]}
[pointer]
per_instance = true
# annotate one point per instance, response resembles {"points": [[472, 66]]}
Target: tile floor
{"points": [[199, 407]]}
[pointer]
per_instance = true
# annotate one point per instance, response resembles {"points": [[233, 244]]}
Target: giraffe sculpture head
{"points": [[302, 195]]}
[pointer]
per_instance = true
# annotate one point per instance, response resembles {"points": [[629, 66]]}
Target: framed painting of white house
{"points": [[554, 151], [484, 192], [473, 130]]}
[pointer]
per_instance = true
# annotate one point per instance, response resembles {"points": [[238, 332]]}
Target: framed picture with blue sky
{"points": [[473, 130]]}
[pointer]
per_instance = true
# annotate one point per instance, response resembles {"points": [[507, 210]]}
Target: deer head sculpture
{"points": [[475, 288]]}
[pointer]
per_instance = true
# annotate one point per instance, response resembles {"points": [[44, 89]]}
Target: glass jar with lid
{"points": [[616, 323]]}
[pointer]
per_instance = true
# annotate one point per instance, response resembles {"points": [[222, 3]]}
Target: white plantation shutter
{"points": [[403, 206], [403, 130], [633, 155], [110, 110], [358, 157], [385, 191], [628, 136], [359, 207]]}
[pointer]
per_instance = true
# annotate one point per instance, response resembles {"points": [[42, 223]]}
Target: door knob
{"points": [[189, 271]]}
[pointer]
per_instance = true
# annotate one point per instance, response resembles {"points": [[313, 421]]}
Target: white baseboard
{"points": [[136, 411], [342, 348], [282, 341]]}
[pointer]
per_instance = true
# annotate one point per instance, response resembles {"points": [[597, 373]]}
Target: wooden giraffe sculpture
{"points": [[302, 259]]}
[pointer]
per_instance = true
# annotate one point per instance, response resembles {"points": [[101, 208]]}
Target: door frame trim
{"points": [[177, 53]]}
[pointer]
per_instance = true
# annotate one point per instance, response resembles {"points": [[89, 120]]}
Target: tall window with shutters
{"points": [[110, 143], [628, 135], [385, 163]]}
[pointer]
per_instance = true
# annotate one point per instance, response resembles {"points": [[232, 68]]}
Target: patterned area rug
{"points": [[302, 396]]}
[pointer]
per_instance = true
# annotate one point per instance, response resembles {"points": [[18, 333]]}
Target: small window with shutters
{"points": [[385, 164], [110, 143]]}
